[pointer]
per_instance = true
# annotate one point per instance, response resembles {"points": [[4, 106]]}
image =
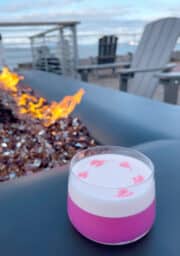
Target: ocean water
{"points": [[13, 56]]}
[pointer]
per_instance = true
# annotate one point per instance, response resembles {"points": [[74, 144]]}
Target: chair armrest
{"points": [[132, 71], [125, 74], [101, 66], [168, 76], [84, 70]]}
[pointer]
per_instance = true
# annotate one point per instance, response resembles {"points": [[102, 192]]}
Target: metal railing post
{"points": [[61, 44], [32, 53], [45, 54], [75, 49]]}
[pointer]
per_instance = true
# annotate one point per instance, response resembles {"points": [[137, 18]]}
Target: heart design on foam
{"points": [[97, 163], [125, 165], [138, 179], [124, 192], [83, 175]]}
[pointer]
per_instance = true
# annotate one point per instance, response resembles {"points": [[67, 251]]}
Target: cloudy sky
{"points": [[95, 15]]}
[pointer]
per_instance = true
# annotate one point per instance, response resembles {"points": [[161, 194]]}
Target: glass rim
{"points": [[135, 154]]}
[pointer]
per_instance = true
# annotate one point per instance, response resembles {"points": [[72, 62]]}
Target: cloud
{"points": [[93, 20], [117, 18], [54, 13], [24, 6], [175, 11]]}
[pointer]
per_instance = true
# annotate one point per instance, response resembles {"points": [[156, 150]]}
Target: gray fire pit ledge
{"points": [[112, 117]]}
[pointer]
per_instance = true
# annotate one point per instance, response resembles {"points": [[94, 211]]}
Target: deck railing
{"points": [[23, 43], [50, 46]]}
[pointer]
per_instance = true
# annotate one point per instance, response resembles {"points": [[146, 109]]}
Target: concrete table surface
{"points": [[34, 222]]}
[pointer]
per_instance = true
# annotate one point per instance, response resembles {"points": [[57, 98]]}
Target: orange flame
{"points": [[36, 107], [9, 80]]}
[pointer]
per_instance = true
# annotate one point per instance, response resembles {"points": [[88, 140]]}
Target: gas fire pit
{"points": [[33, 137], [36, 135]]}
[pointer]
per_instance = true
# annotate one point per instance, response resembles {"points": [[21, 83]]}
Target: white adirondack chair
{"points": [[152, 55]]}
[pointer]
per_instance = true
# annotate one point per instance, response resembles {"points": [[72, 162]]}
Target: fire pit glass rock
{"points": [[36, 135]]}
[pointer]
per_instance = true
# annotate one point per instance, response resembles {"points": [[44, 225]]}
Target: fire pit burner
{"points": [[29, 145]]}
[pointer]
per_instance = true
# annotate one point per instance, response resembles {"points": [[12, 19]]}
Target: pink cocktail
{"points": [[111, 194]]}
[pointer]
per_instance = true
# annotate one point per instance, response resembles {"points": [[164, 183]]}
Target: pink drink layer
{"points": [[111, 230]]}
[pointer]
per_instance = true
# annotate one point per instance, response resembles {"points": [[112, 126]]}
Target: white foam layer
{"points": [[111, 185]]}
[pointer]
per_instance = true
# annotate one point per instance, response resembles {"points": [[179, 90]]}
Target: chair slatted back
{"points": [[107, 49], [154, 50]]}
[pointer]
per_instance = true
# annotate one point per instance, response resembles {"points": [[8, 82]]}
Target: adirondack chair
{"points": [[107, 49], [152, 55], [106, 58]]}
